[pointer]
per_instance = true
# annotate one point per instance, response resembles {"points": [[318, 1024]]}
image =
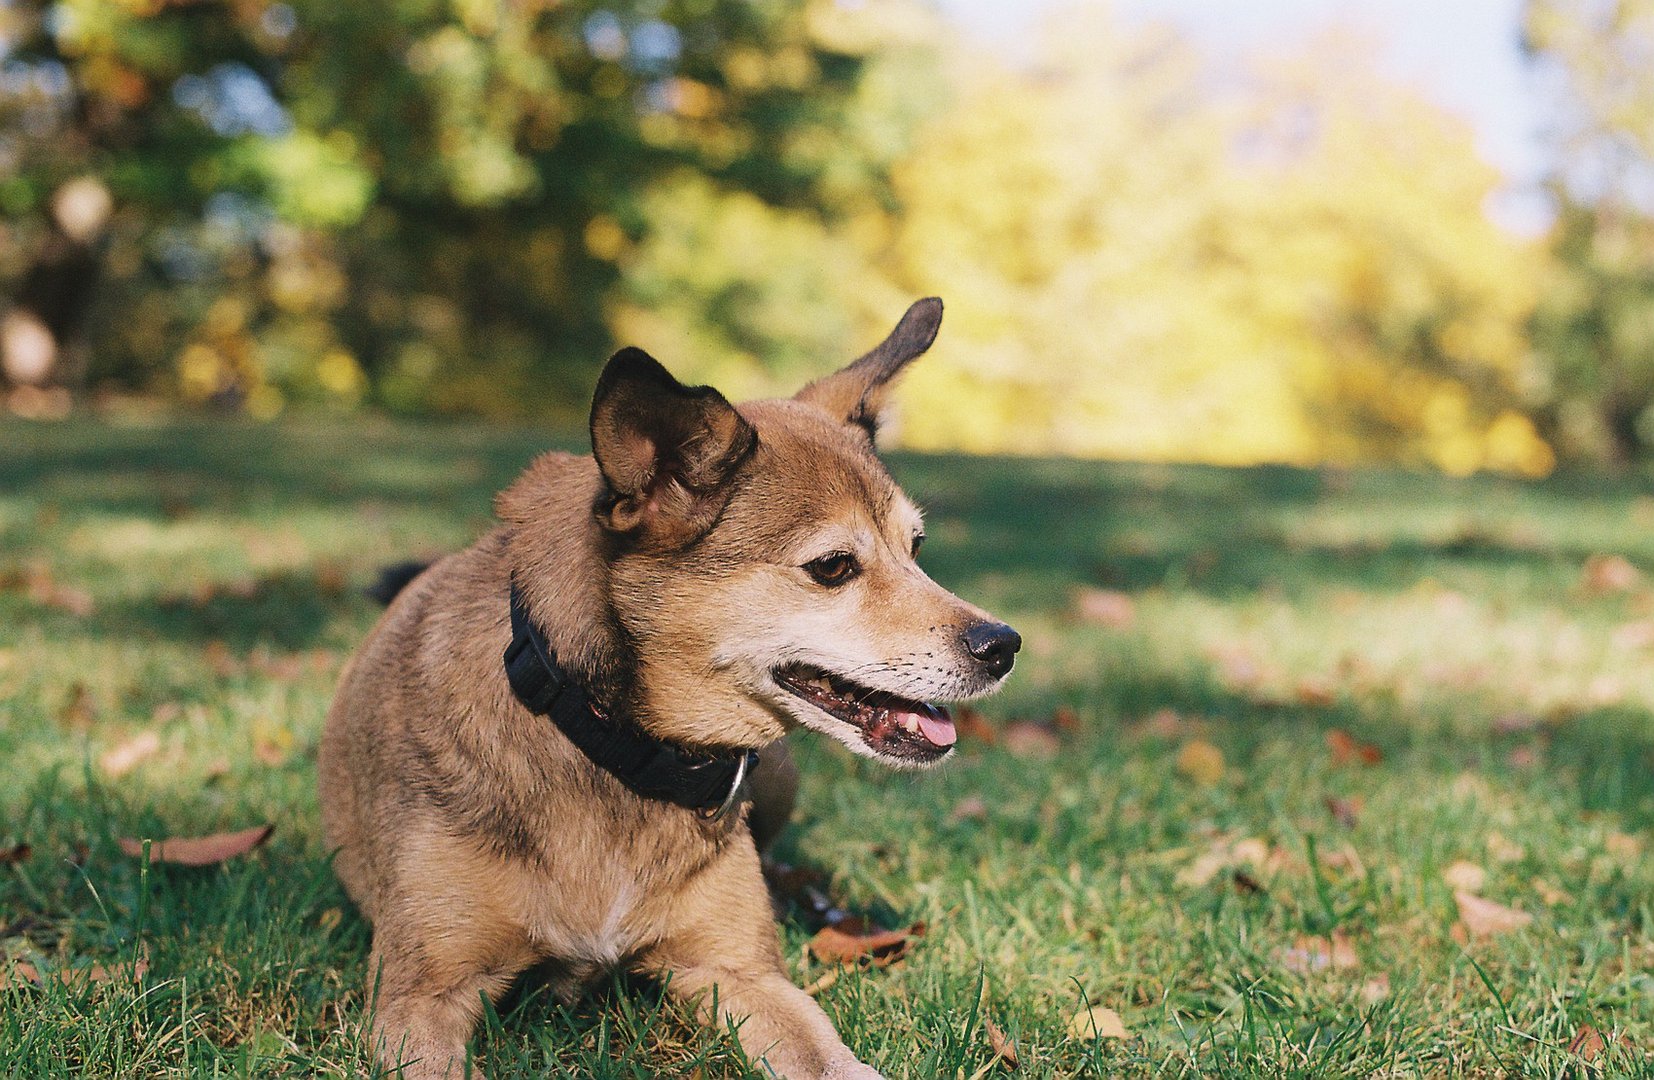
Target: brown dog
{"points": [[711, 578]]}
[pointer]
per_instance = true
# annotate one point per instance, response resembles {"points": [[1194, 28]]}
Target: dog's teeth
{"points": [[910, 723]]}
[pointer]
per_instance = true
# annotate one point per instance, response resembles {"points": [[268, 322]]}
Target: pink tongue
{"points": [[936, 727]]}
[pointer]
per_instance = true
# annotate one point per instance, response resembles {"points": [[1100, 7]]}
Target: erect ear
{"points": [[857, 393], [665, 449]]}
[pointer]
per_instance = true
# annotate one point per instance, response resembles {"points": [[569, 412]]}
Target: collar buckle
{"points": [[742, 767]]}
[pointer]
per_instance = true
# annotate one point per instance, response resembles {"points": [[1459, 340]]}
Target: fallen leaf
{"points": [[1464, 876], [1318, 693], [1346, 749], [77, 711], [850, 941], [1309, 954], [970, 808], [1501, 850], [971, 724], [1004, 1049], [330, 919], [331, 579], [1105, 607], [14, 854], [1589, 1043], [1164, 724], [22, 971], [1347, 812], [1633, 636], [1097, 1022], [1603, 575], [220, 659], [1201, 762], [1027, 739], [1484, 918], [125, 756], [1550, 894], [1623, 846], [199, 850], [1065, 718]]}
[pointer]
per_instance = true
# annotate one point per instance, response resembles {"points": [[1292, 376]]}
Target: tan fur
{"points": [[480, 842]]}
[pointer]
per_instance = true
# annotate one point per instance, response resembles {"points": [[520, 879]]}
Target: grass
{"points": [[1442, 621]]}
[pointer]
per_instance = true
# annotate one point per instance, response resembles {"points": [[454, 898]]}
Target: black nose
{"points": [[994, 645]]}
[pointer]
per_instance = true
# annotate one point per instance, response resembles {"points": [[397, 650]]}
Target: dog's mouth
{"points": [[894, 726]]}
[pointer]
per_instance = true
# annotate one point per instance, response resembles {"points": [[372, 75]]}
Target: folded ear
{"points": [[857, 393], [666, 450]]}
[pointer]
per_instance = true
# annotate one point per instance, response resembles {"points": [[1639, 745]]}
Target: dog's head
{"points": [[764, 563]]}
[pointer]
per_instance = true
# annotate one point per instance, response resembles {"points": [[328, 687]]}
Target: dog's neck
{"points": [[552, 549]]}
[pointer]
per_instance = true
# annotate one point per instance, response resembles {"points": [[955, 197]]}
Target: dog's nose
{"points": [[994, 645]]}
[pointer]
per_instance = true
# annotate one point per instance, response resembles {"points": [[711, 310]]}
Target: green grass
{"points": [[1443, 621]]}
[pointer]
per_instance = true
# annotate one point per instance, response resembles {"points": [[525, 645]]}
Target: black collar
{"points": [[649, 766]]}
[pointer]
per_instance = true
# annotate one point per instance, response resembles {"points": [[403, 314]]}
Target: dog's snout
{"points": [[993, 645]]}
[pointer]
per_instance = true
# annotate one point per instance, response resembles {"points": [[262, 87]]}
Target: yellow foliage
{"points": [[1138, 267]]}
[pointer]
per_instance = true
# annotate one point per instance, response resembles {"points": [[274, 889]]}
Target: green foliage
{"points": [[1594, 327]]}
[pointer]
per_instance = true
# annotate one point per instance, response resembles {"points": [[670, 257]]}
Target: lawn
{"points": [[1268, 723]]}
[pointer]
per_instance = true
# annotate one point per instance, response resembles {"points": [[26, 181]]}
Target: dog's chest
{"points": [[594, 928]]}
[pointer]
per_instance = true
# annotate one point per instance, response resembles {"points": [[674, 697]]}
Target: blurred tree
{"points": [[1596, 325], [424, 200], [1148, 262]]}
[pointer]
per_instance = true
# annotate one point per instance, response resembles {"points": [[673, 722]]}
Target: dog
{"points": [[562, 747]]}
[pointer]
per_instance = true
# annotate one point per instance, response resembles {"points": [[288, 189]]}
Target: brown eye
{"points": [[918, 542], [834, 569]]}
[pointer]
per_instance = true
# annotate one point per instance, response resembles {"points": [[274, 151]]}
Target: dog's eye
{"points": [[834, 569], [918, 542]]}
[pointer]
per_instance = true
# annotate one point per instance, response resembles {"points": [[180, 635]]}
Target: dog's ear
{"points": [[666, 450], [857, 393]]}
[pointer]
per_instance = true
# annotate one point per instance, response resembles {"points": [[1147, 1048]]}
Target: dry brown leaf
{"points": [[1347, 750], [1004, 1049], [1484, 918], [1027, 739], [1164, 724], [1376, 989], [1624, 846], [971, 724], [1464, 875], [1105, 607], [123, 757], [15, 854], [1064, 718], [199, 850], [1309, 954], [78, 711], [1502, 850], [331, 579], [1315, 692], [1347, 812], [1550, 894], [1603, 575], [1097, 1022], [1201, 762], [850, 941], [22, 971], [1589, 1043]]}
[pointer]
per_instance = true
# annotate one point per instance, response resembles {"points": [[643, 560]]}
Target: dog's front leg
{"points": [[721, 952]]}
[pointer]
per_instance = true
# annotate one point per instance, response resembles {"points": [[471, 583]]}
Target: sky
{"points": [[1463, 54]]}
